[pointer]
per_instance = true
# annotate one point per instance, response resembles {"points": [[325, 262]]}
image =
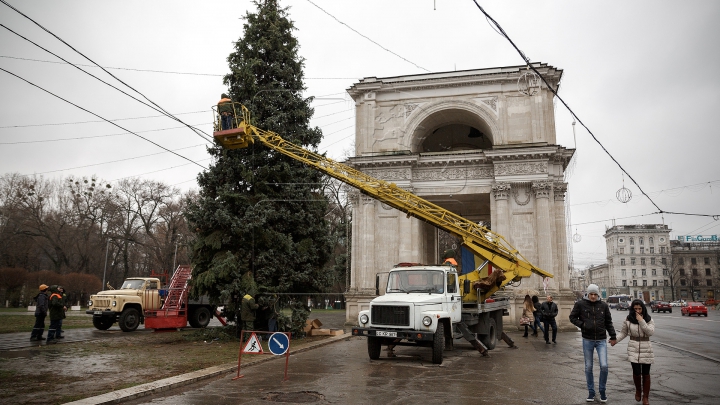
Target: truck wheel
{"points": [[129, 320], [374, 347], [490, 340], [102, 323], [200, 318], [438, 344]]}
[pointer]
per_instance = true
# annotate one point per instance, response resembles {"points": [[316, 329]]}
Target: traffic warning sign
{"points": [[253, 345], [278, 343]]}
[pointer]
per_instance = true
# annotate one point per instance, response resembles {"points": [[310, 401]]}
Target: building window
{"points": [[642, 240], [696, 283], [665, 272], [642, 250], [695, 272], [651, 241], [622, 272], [632, 260], [681, 260], [693, 261], [682, 272], [632, 250], [634, 272], [634, 283], [667, 283], [682, 282], [709, 282], [624, 283], [662, 249], [663, 261], [706, 260], [622, 261], [707, 272], [622, 251], [632, 241], [652, 249], [654, 283], [654, 272], [643, 272], [652, 260], [642, 260], [644, 283]]}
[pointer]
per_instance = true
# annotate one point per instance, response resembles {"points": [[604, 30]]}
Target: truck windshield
{"points": [[132, 284], [406, 281]]}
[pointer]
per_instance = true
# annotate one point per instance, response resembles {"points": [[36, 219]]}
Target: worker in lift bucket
{"points": [[226, 112], [449, 258]]}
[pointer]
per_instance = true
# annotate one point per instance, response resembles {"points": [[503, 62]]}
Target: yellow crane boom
{"points": [[481, 241]]}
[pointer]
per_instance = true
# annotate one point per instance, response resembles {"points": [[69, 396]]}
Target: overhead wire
{"points": [[604, 202], [154, 106], [530, 66], [96, 121], [90, 137], [90, 112], [364, 36]]}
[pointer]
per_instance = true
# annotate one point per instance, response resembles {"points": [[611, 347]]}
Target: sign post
{"points": [[278, 344]]}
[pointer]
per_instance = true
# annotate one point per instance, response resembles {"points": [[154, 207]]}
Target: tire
{"points": [[490, 340], [438, 344], [102, 323], [670, 311], [374, 346], [129, 320], [200, 317]]}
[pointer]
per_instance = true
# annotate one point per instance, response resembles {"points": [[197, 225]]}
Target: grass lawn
{"points": [[24, 323]]}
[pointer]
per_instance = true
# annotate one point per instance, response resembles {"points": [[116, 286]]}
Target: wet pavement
{"points": [[536, 373]]}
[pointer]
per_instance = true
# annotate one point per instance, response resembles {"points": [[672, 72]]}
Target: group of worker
{"points": [[56, 306]]}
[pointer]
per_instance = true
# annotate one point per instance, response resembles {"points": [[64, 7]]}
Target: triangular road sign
{"points": [[253, 345]]}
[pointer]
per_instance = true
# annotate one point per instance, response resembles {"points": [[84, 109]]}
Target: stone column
{"points": [[500, 218], [561, 259], [543, 232], [363, 269]]}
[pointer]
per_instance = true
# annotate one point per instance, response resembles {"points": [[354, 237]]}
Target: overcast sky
{"points": [[641, 75]]}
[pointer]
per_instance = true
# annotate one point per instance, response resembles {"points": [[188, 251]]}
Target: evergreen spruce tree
{"points": [[258, 212]]}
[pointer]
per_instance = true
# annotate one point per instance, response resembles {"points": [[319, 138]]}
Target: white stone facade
{"points": [[472, 143]]}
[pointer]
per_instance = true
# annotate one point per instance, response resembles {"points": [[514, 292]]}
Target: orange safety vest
{"points": [[451, 261]]}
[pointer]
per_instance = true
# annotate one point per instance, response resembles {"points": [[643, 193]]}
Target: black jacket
{"points": [[593, 319], [42, 304], [548, 310]]}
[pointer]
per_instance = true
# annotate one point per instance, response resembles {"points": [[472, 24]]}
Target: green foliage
{"points": [[258, 211]]}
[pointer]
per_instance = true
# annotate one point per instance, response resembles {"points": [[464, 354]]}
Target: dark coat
{"points": [[548, 310], [41, 308], [593, 319], [56, 305], [247, 308]]}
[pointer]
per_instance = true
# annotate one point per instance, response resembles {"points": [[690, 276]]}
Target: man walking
{"points": [[41, 310], [592, 316], [549, 311]]}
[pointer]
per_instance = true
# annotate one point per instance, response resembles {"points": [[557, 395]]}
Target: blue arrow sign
{"points": [[279, 343]]}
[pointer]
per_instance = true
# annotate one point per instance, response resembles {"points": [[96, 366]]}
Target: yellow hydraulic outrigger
{"points": [[478, 239]]}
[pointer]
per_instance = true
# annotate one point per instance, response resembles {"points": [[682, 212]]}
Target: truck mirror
{"points": [[466, 286], [377, 284]]}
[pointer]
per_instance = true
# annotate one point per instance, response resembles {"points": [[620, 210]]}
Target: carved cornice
{"points": [[520, 168], [455, 173], [366, 199], [501, 191], [353, 198], [390, 174], [542, 189]]}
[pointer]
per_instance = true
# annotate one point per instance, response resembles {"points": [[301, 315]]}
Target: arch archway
{"points": [[450, 125]]}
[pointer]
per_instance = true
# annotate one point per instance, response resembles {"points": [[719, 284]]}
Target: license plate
{"points": [[386, 334], [97, 312]]}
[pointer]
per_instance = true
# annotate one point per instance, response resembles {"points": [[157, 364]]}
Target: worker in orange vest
{"points": [[226, 112], [449, 258]]}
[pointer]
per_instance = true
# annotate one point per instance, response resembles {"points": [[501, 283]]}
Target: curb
{"points": [[166, 384], [688, 351]]}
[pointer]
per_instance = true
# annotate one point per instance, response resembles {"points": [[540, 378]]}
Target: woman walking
{"points": [[536, 314], [639, 326], [528, 317]]}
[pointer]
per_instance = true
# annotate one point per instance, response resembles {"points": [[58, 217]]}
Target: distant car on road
{"points": [[623, 306], [661, 306], [677, 304], [711, 303], [697, 308]]}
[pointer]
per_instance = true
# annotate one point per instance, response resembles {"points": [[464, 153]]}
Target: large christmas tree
{"points": [[259, 216]]}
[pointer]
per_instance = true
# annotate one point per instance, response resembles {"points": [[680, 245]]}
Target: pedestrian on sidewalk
{"points": [[56, 309], [592, 316], [41, 310], [549, 311], [639, 326], [537, 315], [528, 317]]}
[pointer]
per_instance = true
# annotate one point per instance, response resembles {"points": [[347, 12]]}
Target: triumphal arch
{"points": [[480, 143]]}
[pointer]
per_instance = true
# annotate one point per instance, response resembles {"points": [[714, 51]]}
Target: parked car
{"points": [[623, 306], [711, 302], [661, 306], [697, 308]]}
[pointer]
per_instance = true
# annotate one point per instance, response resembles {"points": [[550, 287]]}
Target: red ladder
{"points": [[173, 313]]}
